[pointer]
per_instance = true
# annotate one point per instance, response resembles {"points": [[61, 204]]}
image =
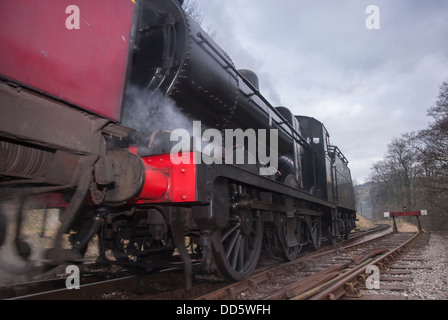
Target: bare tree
{"points": [[434, 150], [192, 8], [434, 140], [375, 197], [397, 171], [414, 171]]}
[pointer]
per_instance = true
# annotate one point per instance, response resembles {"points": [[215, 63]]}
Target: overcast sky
{"points": [[317, 58]]}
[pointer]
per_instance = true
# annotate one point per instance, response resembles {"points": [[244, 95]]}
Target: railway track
{"points": [[168, 285], [397, 276], [332, 274], [348, 283], [335, 272]]}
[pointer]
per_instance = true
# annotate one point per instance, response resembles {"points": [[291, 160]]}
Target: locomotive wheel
{"points": [[142, 256], [237, 251], [331, 238], [316, 232], [143, 243], [290, 253]]}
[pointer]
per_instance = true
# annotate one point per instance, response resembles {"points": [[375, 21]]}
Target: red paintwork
{"points": [[180, 178], [85, 66], [164, 182], [155, 185]]}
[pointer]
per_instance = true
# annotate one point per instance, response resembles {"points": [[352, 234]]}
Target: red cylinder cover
{"points": [[168, 182], [155, 184]]}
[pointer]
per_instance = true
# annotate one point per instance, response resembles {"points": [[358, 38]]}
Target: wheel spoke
{"points": [[232, 243], [237, 253], [230, 231], [242, 256]]}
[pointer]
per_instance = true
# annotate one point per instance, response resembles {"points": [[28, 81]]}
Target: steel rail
{"points": [[346, 283], [232, 290], [139, 287]]}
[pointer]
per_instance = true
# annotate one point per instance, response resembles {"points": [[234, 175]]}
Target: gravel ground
{"points": [[432, 284], [427, 283]]}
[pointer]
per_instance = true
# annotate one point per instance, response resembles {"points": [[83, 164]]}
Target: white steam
{"points": [[154, 117]]}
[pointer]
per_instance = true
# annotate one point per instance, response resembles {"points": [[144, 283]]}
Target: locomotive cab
{"points": [[331, 176], [317, 135]]}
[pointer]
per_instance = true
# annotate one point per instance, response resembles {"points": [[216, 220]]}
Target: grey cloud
{"points": [[367, 86]]}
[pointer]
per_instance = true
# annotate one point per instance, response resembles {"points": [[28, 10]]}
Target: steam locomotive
{"points": [[72, 137]]}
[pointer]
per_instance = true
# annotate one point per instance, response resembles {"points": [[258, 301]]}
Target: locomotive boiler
{"points": [[68, 140]]}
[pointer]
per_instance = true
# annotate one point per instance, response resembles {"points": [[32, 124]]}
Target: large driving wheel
{"points": [[238, 248]]}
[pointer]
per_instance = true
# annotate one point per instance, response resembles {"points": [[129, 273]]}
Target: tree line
{"points": [[413, 174]]}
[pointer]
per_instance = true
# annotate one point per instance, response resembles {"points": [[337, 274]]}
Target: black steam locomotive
{"points": [[144, 201]]}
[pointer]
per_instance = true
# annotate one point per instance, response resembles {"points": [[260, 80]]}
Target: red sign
{"points": [[405, 213]]}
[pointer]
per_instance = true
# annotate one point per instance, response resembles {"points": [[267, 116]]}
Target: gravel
{"points": [[432, 284], [429, 282]]}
